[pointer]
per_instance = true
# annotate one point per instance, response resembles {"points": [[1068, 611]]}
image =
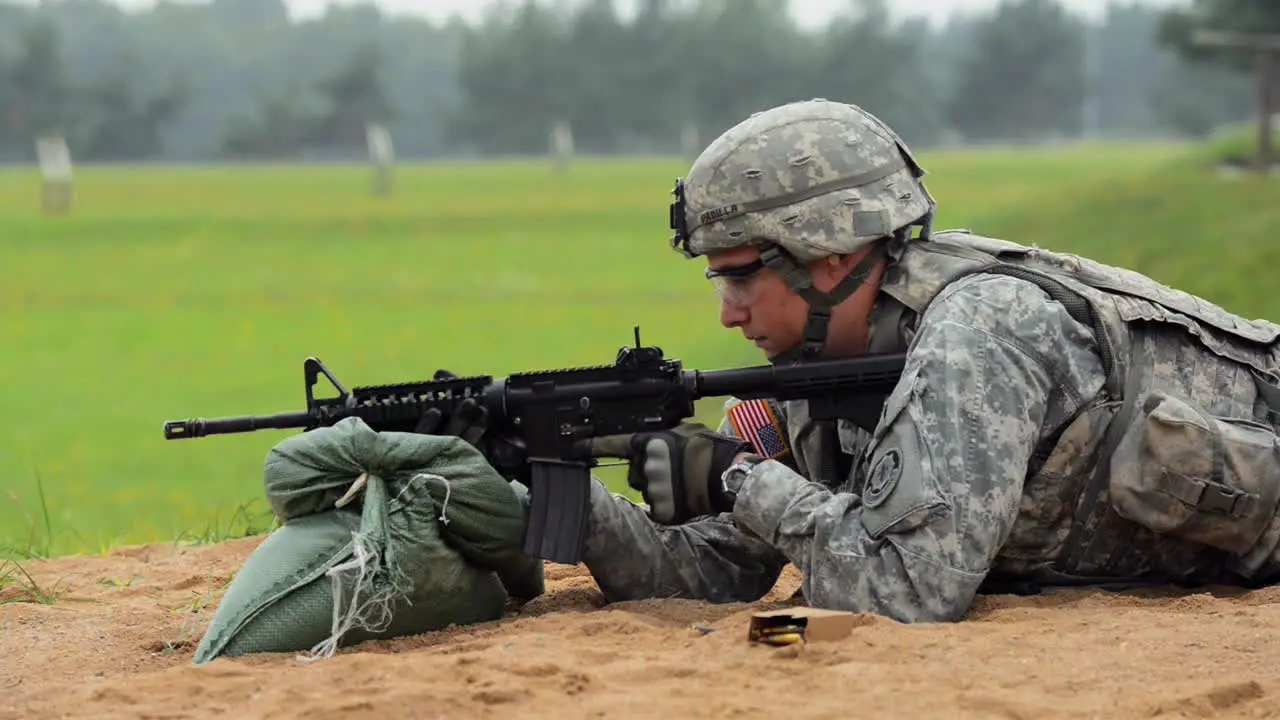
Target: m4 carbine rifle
{"points": [[553, 415]]}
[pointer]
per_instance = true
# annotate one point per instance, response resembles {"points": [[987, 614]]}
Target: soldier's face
{"points": [[756, 301]]}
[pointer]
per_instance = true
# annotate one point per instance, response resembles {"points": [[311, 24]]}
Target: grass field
{"points": [[175, 292]]}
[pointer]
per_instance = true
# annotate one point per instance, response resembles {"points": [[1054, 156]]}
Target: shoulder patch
{"points": [[755, 422], [882, 479]]}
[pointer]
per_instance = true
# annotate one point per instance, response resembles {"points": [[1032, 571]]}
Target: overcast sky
{"points": [[808, 12]]}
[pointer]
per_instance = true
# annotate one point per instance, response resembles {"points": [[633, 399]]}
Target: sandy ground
{"points": [[118, 644]]}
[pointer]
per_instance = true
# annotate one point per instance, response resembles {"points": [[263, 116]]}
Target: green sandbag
{"points": [[431, 537]]}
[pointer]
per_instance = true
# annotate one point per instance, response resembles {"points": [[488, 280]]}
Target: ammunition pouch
{"points": [[1178, 470]]}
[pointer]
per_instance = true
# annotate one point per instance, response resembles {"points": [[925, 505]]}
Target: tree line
{"points": [[240, 79]]}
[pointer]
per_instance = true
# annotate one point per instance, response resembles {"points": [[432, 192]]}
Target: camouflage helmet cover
{"points": [[819, 178]]}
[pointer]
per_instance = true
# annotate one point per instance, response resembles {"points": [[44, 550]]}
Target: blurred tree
{"points": [[597, 108], [1023, 77], [35, 94], [658, 86], [511, 79], [1239, 35], [246, 13], [742, 56], [117, 117], [280, 127], [1178, 26], [241, 77], [862, 58], [352, 96]]}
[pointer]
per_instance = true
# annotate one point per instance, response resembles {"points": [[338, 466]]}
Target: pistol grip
{"points": [[559, 502]]}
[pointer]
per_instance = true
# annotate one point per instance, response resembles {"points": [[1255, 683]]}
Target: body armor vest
{"points": [[1169, 473]]}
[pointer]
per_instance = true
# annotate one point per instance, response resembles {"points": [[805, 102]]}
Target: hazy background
{"points": [[808, 13], [276, 80]]}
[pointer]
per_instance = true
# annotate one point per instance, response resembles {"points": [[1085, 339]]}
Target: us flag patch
{"points": [[754, 422]]}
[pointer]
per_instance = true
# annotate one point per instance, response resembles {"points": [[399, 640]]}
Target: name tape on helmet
{"points": [[845, 183]]}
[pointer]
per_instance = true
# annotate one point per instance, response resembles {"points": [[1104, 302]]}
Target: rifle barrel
{"points": [[870, 374], [200, 427]]}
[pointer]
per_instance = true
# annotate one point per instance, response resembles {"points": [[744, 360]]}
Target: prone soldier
{"points": [[1059, 422]]}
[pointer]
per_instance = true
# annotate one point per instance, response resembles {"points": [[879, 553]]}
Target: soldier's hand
{"points": [[676, 471], [470, 421]]}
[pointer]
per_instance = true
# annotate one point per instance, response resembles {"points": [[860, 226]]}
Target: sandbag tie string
{"points": [[363, 480], [353, 491], [448, 490]]}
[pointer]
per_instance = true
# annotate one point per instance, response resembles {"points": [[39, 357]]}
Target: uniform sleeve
{"points": [[945, 467], [632, 557]]}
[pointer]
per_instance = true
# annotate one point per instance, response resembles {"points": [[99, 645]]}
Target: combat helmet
{"points": [[800, 182]]}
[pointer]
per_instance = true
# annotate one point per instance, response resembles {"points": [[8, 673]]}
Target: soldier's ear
{"points": [[838, 265]]}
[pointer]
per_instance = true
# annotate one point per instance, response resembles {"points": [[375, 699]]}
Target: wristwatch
{"points": [[732, 479]]}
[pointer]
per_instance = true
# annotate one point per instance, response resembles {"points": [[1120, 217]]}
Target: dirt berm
{"points": [[117, 643]]}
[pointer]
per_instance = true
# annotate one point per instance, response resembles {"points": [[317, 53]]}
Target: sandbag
{"points": [[382, 535]]}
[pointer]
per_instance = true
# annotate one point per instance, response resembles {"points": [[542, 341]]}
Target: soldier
{"points": [[1058, 422]]}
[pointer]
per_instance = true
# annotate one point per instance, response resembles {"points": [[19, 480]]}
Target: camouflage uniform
{"points": [[1058, 422]]}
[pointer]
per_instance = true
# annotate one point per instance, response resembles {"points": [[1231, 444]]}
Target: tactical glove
{"points": [[470, 421], [676, 471]]}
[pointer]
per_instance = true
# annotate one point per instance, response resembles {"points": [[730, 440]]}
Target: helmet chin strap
{"points": [[821, 304]]}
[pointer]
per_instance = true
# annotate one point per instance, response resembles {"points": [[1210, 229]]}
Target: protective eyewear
{"points": [[737, 285]]}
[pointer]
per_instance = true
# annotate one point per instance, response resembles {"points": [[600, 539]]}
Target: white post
{"points": [[562, 145], [689, 140], [54, 158], [382, 156]]}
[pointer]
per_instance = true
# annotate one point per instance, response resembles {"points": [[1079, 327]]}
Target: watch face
{"points": [[736, 476]]}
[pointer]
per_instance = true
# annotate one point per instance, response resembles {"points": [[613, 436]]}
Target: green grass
{"points": [[17, 586], [1238, 142], [176, 292]]}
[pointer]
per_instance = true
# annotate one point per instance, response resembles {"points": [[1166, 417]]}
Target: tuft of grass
{"points": [[18, 586], [116, 581], [39, 536], [243, 521]]}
